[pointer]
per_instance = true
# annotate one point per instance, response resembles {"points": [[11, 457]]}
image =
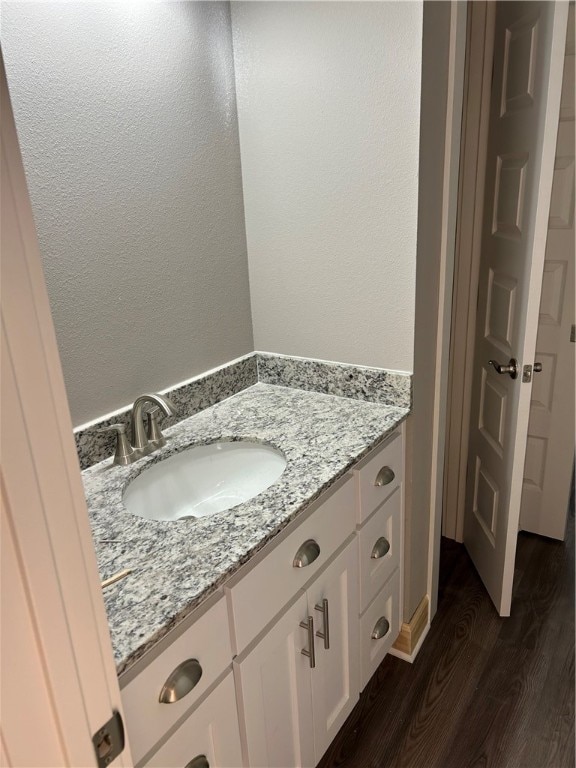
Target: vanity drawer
{"points": [[386, 606], [379, 547], [257, 596], [208, 642], [211, 731], [377, 479]]}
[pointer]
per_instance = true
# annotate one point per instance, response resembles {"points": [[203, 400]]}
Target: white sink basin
{"points": [[204, 480]]}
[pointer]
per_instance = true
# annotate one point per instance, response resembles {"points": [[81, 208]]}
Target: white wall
{"points": [[126, 115], [328, 106]]}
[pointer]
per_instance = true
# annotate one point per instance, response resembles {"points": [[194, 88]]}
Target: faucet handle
{"points": [[124, 453], [153, 430]]}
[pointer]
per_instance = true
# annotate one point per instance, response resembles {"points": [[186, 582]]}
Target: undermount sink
{"points": [[204, 480]]}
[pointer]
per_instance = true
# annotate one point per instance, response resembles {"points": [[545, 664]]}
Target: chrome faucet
{"points": [[140, 441]]}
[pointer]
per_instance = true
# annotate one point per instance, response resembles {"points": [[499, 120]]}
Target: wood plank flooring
{"points": [[484, 692]]}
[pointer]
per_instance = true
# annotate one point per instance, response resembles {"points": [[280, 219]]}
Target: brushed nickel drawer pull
{"points": [[384, 477], [325, 634], [307, 553], [181, 681], [200, 761], [381, 628], [310, 652], [381, 548]]}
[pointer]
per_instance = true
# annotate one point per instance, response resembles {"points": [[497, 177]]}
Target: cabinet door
{"points": [[274, 686], [209, 737], [333, 601]]}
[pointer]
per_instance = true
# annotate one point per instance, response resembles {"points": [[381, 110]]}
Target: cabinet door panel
{"points": [[379, 476], [147, 719], [336, 678], [274, 685], [383, 525], [211, 730], [385, 607]]}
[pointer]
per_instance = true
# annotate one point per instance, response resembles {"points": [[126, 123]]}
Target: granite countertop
{"points": [[176, 565]]}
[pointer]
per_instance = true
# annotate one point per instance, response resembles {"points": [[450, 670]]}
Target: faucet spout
{"points": [[139, 436]]}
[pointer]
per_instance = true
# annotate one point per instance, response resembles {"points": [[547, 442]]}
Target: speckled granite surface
{"points": [[374, 385], [176, 565], [198, 394]]}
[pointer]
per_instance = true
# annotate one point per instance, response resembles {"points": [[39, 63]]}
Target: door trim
{"points": [[475, 119], [452, 144], [61, 615]]}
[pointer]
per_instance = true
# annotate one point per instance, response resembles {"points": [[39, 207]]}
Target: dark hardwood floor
{"points": [[484, 692]]}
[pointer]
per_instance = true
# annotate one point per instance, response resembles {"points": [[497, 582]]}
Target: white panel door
{"points": [[58, 683], [333, 602], [528, 61], [275, 691], [550, 448]]}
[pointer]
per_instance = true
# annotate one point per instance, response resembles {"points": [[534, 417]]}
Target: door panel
{"points": [[274, 687], [525, 102], [550, 448], [336, 678]]}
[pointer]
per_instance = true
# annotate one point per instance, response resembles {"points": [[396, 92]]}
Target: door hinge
{"points": [[109, 740], [573, 333]]}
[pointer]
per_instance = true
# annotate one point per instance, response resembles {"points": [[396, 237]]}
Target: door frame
{"points": [[61, 669], [475, 119], [459, 13]]}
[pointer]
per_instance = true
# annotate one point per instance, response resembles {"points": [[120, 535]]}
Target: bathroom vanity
{"points": [[244, 638]]}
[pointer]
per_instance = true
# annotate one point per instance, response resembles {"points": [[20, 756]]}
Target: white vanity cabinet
{"points": [[289, 643], [294, 703]]}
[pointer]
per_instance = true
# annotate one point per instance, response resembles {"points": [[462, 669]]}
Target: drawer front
{"points": [[262, 592], [211, 732], [386, 606], [379, 477], [207, 641], [380, 547]]}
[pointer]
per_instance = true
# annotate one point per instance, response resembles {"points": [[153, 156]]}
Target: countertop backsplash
{"points": [[374, 385]]}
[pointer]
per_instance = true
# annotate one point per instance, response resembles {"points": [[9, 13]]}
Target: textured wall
{"points": [[127, 120], [328, 107]]}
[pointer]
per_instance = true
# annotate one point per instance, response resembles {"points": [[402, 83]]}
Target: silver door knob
{"points": [[181, 681], [511, 369], [537, 368]]}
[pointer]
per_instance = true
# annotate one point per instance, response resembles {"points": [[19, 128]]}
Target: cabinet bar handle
{"points": [[384, 477], [325, 635], [200, 761], [181, 681], [381, 628], [381, 548], [307, 553], [310, 652]]}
